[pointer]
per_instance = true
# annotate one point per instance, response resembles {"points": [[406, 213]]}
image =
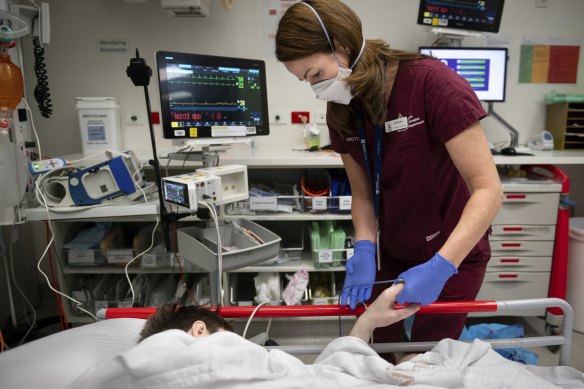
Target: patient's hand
{"points": [[382, 313]]}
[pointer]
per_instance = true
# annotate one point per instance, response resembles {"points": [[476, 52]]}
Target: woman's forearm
{"points": [[477, 216], [363, 217]]}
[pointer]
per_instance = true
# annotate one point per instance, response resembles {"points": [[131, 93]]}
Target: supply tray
{"points": [[338, 205], [199, 245], [260, 205], [156, 257], [242, 290]]}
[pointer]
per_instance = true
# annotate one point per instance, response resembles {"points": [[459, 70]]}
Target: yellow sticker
{"points": [[193, 133], [174, 124], [435, 21]]}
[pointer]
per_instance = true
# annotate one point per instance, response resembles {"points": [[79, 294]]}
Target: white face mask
{"points": [[336, 89]]}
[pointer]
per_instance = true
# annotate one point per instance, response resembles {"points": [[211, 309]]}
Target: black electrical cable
{"points": [[41, 91]]}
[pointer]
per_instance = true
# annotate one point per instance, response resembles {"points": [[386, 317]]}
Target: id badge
{"points": [[398, 124]]}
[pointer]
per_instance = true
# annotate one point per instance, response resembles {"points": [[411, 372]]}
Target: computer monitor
{"points": [[211, 99], [475, 15], [484, 68]]}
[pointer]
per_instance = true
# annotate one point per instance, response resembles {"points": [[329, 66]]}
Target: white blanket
{"points": [[173, 359]]}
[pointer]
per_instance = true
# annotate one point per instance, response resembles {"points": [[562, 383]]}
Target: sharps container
{"points": [[575, 287], [100, 123]]}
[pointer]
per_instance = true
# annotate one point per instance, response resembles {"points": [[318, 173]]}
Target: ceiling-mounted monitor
{"points": [[474, 15]]}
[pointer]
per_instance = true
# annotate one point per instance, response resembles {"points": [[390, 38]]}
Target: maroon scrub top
{"points": [[422, 192]]}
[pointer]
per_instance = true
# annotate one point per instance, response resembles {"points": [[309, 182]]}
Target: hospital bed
{"points": [[58, 359]]}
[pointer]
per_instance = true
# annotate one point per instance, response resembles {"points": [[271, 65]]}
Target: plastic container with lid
{"points": [[100, 123]]}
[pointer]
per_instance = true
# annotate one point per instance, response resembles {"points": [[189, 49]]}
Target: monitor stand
{"points": [[514, 133], [206, 155], [209, 149], [450, 37]]}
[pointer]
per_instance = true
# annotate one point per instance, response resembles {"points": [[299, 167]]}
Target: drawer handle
{"points": [[510, 260], [508, 276], [512, 228], [511, 245], [515, 196]]}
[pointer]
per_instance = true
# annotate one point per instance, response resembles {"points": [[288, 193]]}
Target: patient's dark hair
{"points": [[169, 317]]}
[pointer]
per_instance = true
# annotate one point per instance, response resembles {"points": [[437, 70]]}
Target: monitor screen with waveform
{"points": [[205, 96], [475, 15]]}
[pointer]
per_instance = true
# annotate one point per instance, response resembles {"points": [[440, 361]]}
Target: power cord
{"points": [[219, 256], [251, 317]]}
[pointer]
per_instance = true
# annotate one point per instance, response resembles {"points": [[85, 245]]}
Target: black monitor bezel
{"points": [[494, 28], [478, 49], [209, 60]]}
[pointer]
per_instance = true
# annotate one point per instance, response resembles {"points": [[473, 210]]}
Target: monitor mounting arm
{"points": [[512, 131]]}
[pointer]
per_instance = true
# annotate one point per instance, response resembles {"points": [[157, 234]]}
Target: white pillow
{"points": [[53, 362]]}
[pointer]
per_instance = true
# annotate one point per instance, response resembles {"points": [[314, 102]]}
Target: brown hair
{"points": [[182, 318], [300, 35]]}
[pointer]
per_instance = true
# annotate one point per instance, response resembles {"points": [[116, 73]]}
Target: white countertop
{"points": [[282, 158], [279, 158]]}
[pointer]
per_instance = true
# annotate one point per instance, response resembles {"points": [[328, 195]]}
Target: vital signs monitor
{"points": [[204, 96]]}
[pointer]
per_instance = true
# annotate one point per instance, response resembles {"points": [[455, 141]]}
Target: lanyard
{"points": [[376, 178]]}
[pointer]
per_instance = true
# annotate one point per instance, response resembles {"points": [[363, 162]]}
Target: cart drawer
{"points": [[515, 286], [528, 208], [519, 263], [523, 232], [521, 247]]}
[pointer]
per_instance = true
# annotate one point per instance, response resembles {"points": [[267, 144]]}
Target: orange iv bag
{"points": [[11, 86]]}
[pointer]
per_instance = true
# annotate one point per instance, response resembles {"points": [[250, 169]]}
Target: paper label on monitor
{"points": [[345, 203], [325, 256], [223, 131], [81, 257], [319, 203], [263, 203], [179, 132], [251, 130]]}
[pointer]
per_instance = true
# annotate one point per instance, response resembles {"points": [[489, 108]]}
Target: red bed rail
{"points": [[308, 310]]}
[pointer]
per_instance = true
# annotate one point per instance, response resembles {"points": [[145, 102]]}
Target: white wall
{"points": [[76, 69]]}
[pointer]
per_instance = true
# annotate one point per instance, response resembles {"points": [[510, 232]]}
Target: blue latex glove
{"points": [[360, 274], [423, 283]]}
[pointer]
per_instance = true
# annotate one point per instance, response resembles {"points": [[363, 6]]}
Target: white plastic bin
{"points": [[575, 288], [100, 123]]}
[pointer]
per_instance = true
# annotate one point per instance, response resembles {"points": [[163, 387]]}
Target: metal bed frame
{"points": [[564, 340]]}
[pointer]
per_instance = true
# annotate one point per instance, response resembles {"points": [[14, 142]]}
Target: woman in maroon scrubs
{"points": [[425, 187]]}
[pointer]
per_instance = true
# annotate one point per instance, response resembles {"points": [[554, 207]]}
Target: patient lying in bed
{"points": [[196, 348]]}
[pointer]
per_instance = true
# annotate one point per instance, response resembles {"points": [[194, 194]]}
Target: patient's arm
{"points": [[382, 313]]}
